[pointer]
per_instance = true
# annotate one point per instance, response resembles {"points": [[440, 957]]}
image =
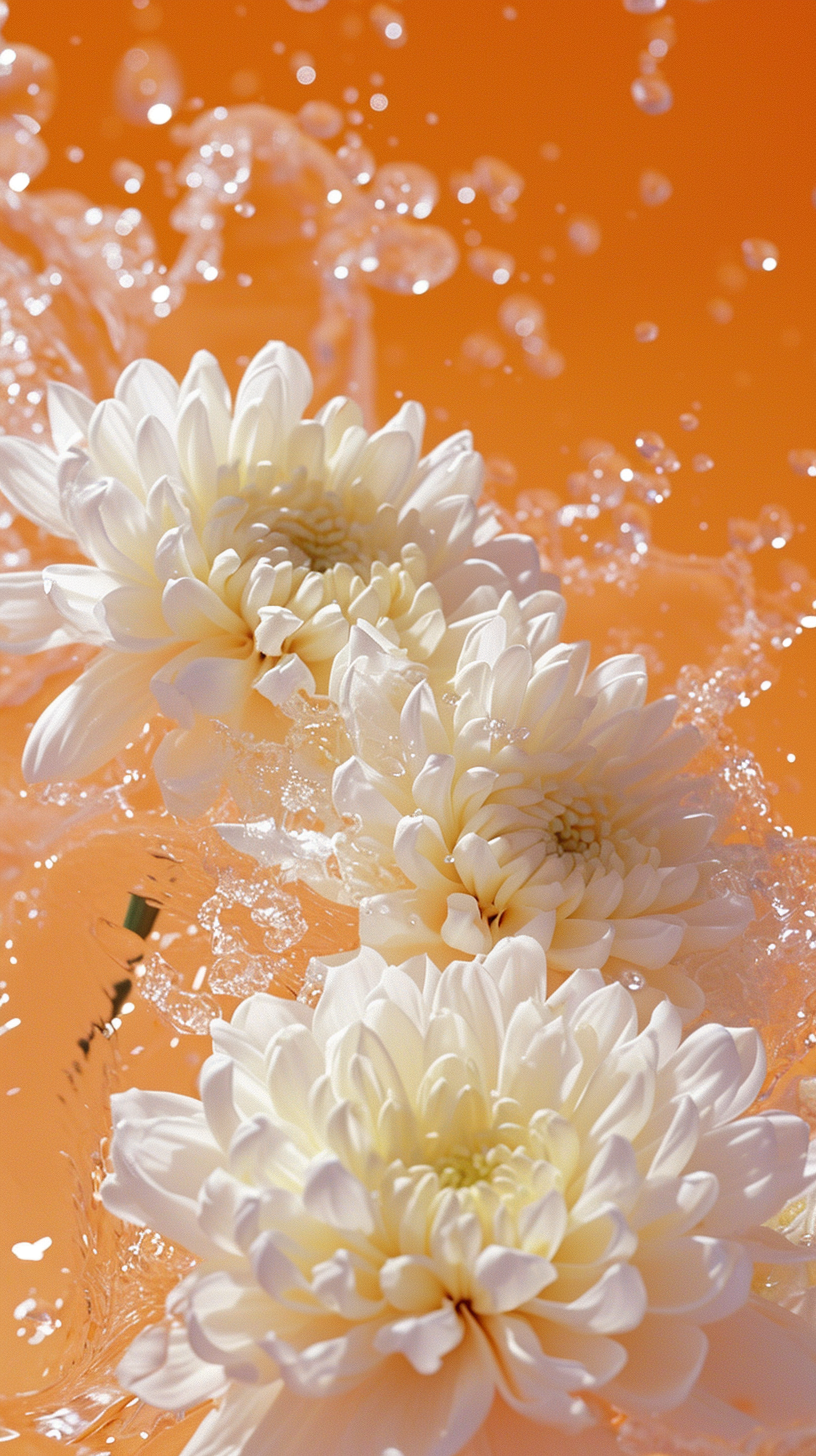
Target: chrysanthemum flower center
{"points": [[463, 1167], [579, 829], [318, 524]]}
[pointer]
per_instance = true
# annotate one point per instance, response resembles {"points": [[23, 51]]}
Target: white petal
{"points": [[334, 1195], [162, 1370], [423, 1339], [665, 1357], [189, 765], [289, 675], [76, 591], [92, 719], [28, 476], [147, 388], [69, 414], [506, 1278], [29, 622]]}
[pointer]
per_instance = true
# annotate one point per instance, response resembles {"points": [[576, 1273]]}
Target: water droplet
{"points": [[28, 82], [405, 188], [356, 160], [650, 445], [484, 350], [148, 85], [720, 310], [411, 257], [701, 463], [500, 184], [547, 363], [652, 94], [22, 155], [584, 235], [732, 277], [654, 188], [492, 264], [501, 472], [689, 422], [604, 482], [646, 332], [320, 119], [802, 461], [633, 980], [521, 315], [744, 535], [760, 255], [127, 174], [389, 23], [776, 525], [643, 7]]}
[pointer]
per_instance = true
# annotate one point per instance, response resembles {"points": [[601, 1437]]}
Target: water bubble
{"points": [[484, 350], [732, 277], [702, 463], [23, 155], [320, 119], [492, 264], [760, 255], [405, 188], [28, 82], [643, 7], [501, 472], [356, 160], [378, 102], [652, 94], [411, 257], [632, 980], [689, 422], [127, 174], [720, 310], [305, 75], [650, 445], [776, 526], [547, 363], [500, 184], [584, 234], [604, 482], [654, 188], [389, 23], [646, 332], [802, 461], [148, 85], [744, 535], [521, 315]]}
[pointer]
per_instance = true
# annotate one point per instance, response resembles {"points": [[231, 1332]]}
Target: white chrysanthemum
{"points": [[440, 1199], [529, 796], [231, 551]]}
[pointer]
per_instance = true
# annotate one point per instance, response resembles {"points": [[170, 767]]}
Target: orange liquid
{"points": [[470, 81]]}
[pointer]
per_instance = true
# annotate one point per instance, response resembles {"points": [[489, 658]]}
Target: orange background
{"points": [[737, 145]]}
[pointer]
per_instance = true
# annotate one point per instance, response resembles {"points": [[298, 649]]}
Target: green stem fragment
{"points": [[141, 916]]}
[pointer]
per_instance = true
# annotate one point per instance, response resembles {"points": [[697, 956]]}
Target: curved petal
{"points": [[28, 477], [161, 1369], [69, 414], [92, 719], [77, 592], [29, 621]]}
